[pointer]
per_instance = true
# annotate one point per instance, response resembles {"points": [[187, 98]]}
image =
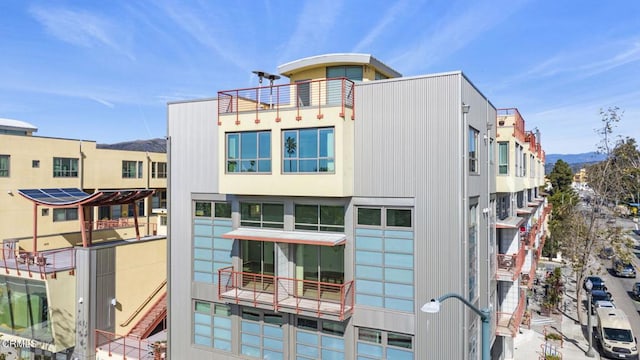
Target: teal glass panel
{"points": [[368, 272], [399, 354], [250, 351], [368, 243], [332, 342], [369, 258], [398, 260], [369, 350], [202, 254], [308, 145], [221, 255], [252, 328], [264, 165], [251, 339], [398, 275], [223, 244], [369, 232], [222, 223], [233, 146], [310, 351], [264, 145], [202, 230], [202, 221], [272, 332], [369, 300], [221, 322], [248, 145], [222, 333], [202, 340], [218, 231], [306, 338], [202, 242], [222, 344], [275, 355], [398, 245], [203, 277], [401, 234], [398, 290], [202, 266], [399, 304], [202, 318], [272, 344], [369, 287], [332, 355], [202, 330]]}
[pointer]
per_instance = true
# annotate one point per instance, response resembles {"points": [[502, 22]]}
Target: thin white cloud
{"points": [[389, 18], [82, 28], [312, 28], [453, 32], [103, 102]]}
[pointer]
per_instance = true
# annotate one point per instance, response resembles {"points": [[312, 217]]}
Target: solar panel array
{"points": [[55, 196]]}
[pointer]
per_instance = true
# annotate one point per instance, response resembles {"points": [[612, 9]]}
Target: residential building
{"points": [[522, 213], [313, 219], [81, 259]]}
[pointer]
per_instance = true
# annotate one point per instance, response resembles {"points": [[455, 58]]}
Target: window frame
{"points": [[290, 157], [132, 169], [261, 222], [67, 214], [239, 160], [473, 137], [5, 170], [70, 172], [319, 225], [159, 170], [503, 162]]}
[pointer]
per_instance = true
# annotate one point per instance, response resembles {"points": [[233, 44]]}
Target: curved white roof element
{"points": [[342, 58], [10, 124]]}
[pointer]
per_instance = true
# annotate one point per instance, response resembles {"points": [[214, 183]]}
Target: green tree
{"points": [[561, 177]]}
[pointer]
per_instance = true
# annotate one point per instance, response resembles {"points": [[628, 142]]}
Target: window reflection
{"points": [[24, 308]]}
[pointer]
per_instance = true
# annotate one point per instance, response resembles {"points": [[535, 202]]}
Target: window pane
{"points": [[326, 143], [248, 145], [308, 146], [396, 217], [369, 216], [370, 335], [223, 210], [308, 165], [334, 328], [264, 141], [250, 211], [332, 215], [290, 144], [309, 324], [232, 146], [203, 209], [203, 307], [399, 340], [306, 214], [273, 212]]}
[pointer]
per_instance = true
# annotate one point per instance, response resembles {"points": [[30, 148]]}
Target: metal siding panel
{"points": [[408, 144], [193, 164]]}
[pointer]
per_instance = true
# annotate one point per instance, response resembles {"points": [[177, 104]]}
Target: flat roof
{"points": [[337, 58], [291, 237]]}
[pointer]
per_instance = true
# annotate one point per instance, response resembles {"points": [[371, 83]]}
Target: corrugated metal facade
{"points": [[192, 129]]}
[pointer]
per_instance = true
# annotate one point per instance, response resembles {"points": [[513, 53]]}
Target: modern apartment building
{"points": [[81, 260], [521, 210], [313, 219]]}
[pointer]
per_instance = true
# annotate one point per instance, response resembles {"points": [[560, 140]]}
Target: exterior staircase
{"points": [[152, 318]]}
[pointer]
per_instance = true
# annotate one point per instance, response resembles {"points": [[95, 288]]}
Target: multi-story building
{"points": [[521, 211], [81, 260], [313, 219]]}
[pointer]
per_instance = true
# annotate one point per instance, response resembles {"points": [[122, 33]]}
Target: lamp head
{"points": [[432, 306]]}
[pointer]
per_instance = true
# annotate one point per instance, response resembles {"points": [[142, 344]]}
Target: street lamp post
{"points": [[433, 306], [589, 285]]}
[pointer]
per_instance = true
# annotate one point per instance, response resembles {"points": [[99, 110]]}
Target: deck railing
{"points": [[42, 262], [272, 99], [509, 322], [122, 347], [512, 263], [283, 293]]}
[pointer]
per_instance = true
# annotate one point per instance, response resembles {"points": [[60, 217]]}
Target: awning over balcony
{"points": [[291, 237], [525, 210], [512, 222]]}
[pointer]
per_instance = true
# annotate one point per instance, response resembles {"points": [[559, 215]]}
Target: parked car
{"points": [[635, 290], [607, 252], [599, 295], [624, 269], [597, 283]]}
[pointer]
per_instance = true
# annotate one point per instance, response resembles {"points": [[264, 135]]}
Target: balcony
{"points": [[508, 323], [42, 262], [267, 102], [510, 265], [330, 300]]}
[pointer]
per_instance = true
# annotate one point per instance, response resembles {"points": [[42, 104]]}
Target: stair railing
{"points": [[144, 304]]}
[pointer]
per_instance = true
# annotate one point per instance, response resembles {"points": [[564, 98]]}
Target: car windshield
{"points": [[618, 334], [597, 295]]}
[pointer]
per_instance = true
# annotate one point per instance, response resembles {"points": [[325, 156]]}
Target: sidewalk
{"points": [[529, 342]]}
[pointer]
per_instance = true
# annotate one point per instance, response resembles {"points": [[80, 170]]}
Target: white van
{"points": [[615, 335]]}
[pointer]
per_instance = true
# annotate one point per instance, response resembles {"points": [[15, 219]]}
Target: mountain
{"points": [[575, 161], [152, 145]]}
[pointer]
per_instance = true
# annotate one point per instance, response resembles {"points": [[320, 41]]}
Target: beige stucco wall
{"points": [[140, 269]]}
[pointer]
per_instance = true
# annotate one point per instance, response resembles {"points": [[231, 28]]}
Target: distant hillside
{"points": [[152, 145], [576, 161]]}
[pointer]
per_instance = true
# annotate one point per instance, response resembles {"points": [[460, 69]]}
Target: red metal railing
{"points": [[323, 298], [126, 346], [515, 317], [305, 94], [512, 263], [41, 262]]}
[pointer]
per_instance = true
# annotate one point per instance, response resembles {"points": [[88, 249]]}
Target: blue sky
{"points": [[105, 70]]}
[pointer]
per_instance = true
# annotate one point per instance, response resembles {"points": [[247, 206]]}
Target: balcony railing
{"points": [[321, 299], [510, 265], [268, 101], [41, 262], [508, 323], [113, 346]]}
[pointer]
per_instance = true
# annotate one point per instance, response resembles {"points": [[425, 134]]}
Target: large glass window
{"points": [[65, 167], [211, 251], [503, 158], [473, 151], [351, 72], [308, 150], [262, 335], [263, 215], [131, 169], [4, 165], [320, 263], [212, 325], [319, 339], [319, 217], [24, 308], [378, 344], [249, 151]]}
